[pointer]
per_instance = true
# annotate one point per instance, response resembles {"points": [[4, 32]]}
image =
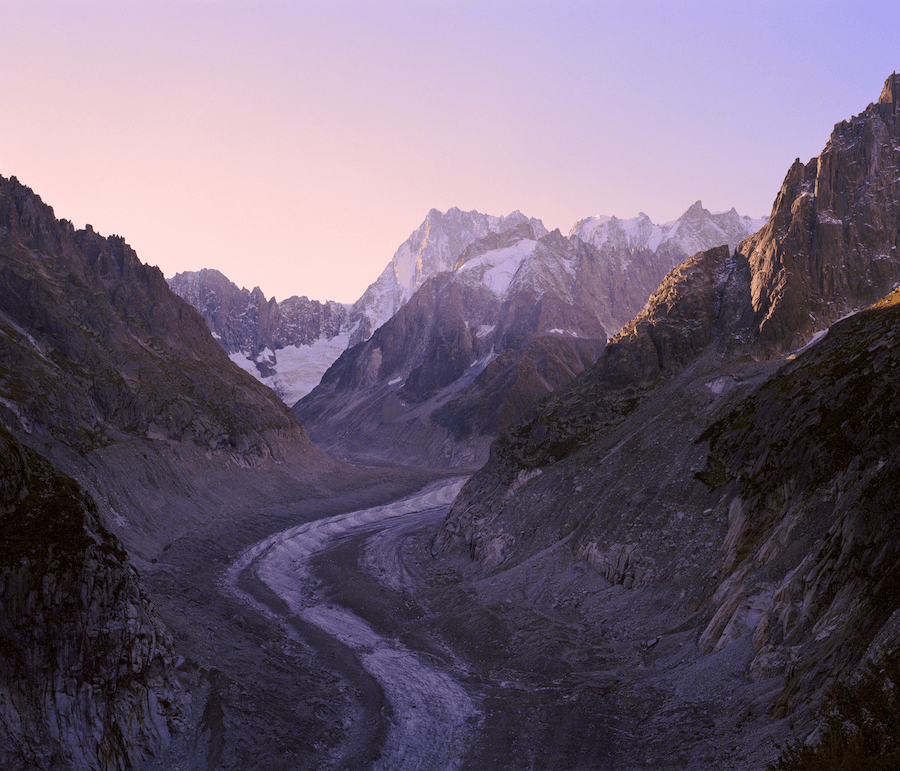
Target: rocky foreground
{"points": [[725, 463]]}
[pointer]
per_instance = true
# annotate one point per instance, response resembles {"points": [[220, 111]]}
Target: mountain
{"points": [[694, 231], [433, 248], [637, 254], [516, 316], [728, 467], [124, 428], [288, 345]]}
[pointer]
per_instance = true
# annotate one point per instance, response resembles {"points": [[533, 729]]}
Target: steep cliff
{"points": [[810, 462], [703, 469], [87, 671], [831, 244], [466, 355]]}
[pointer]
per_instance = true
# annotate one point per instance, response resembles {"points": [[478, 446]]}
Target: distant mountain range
{"points": [[702, 509], [290, 344]]}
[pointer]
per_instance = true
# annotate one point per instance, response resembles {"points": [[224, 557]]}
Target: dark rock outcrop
{"points": [[773, 543], [811, 458], [87, 671]]}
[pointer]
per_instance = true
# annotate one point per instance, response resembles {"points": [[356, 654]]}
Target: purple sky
{"points": [[296, 145]]}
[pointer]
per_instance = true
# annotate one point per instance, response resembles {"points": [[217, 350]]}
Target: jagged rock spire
{"points": [[890, 94]]}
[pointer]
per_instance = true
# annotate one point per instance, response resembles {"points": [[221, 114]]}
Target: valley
{"points": [[563, 503], [431, 666]]}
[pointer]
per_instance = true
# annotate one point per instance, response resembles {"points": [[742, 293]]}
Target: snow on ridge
{"points": [[497, 269], [697, 229]]}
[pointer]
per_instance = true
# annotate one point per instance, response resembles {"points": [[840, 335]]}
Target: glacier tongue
{"points": [[297, 369]]}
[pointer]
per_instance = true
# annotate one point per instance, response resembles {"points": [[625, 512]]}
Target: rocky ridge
{"points": [[637, 254], [433, 248], [289, 344], [124, 428], [307, 335], [95, 347], [535, 312], [702, 468], [466, 355], [831, 244], [87, 672]]}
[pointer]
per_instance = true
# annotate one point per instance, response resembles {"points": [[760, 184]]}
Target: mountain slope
{"points": [[466, 355], [749, 501], [535, 312], [95, 346], [433, 248], [288, 345], [87, 671], [124, 428]]}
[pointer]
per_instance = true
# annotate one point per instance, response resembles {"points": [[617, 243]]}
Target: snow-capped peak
{"points": [[695, 230], [433, 248]]}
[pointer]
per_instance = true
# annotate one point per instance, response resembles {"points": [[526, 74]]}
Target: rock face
{"points": [[638, 254], [94, 346], [809, 460], [831, 244], [700, 470], [120, 418], [87, 672], [516, 318], [287, 345]]}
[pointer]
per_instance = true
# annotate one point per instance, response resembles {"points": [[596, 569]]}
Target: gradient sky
{"points": [[296, 145]]}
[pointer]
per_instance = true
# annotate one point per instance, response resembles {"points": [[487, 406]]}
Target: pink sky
{"points": [[296, 145]]}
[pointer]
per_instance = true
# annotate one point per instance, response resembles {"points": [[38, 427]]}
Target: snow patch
{"points": [[298, 369], [496, 269], [484, 330]]}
